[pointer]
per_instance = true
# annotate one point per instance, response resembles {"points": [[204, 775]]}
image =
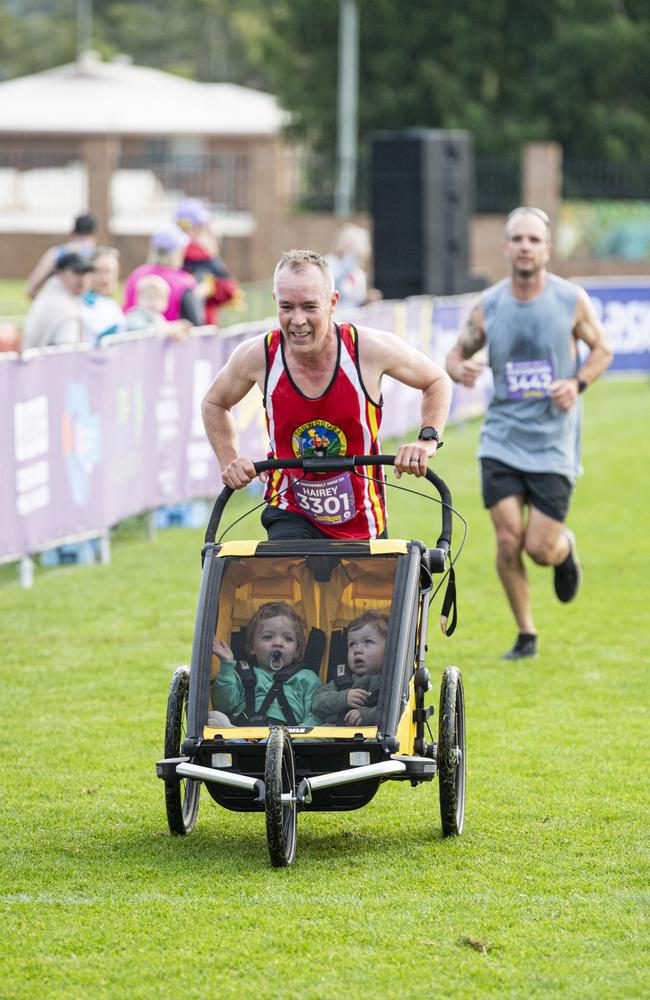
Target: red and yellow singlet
{"points": [[344, 420]]}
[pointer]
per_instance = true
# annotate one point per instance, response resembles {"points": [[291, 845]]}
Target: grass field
{"points": [[545, 894]]}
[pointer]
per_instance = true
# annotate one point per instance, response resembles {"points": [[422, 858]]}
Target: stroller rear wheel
{"points": [[280, 798], [451, 753], [181, 794]]}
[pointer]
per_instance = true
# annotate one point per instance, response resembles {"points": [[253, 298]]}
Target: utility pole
{"points": [[84, 26], [348, 102]]}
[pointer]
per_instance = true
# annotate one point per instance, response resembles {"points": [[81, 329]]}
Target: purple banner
{"points": [[623, 307], [91, 437]]}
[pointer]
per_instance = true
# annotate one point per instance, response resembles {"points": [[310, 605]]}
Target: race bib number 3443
{"points": [[328, 501], [528, 379]]}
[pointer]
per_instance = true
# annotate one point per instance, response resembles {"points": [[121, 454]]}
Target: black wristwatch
{"points": [[430, 434], [582, 385]]}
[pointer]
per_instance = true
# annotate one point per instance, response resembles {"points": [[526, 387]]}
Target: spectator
{"points": [[165, 259], [102, 315], [349, 264], [215, 285], [82, 241], [55, 316], [148, 314]]}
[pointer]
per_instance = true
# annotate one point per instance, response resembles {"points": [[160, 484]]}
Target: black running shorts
{"points": [[547, 491], [282, 525]]}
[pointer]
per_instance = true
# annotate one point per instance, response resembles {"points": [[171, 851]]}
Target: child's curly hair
{"points": [[271, 610], [374, 618]]}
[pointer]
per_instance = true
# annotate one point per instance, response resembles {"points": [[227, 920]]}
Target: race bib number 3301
{"points": [[327, 501]]}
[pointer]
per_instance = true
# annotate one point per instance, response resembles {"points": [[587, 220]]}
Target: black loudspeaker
{"points": [[422, 197]]}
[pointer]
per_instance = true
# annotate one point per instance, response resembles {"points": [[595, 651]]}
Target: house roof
{"points": [[118, 98]]}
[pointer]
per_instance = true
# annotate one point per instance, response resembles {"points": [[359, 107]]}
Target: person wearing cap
{"points": [[531, 323], [215, 285], [82, 241], [55, 316], [166, 250]]}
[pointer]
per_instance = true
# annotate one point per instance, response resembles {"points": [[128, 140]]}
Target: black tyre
{"points": [[279, 780], [451, 753], [181, 794]]}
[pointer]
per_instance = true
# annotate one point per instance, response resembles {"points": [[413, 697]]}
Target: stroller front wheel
{"points": [[280, 798]]}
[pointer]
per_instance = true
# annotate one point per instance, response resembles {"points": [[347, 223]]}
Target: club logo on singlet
{"points": [[318, 439]]}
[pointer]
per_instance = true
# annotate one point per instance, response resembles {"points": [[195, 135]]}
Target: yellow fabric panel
{"points": [[355, 586], [406, 728], [237, 549], [387, 546], [253, 582]]}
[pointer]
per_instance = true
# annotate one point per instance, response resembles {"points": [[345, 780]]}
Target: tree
{"points": [[201, 39], [513, 71]]}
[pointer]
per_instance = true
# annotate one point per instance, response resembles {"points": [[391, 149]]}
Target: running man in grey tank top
{"points": [[530, 440]]}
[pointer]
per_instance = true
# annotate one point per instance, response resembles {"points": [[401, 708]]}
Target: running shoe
{"points": [[526, 645], [567, 576]]}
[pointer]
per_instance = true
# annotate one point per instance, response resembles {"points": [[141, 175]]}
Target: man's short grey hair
{"points": [[529, 210], [298, 260]]}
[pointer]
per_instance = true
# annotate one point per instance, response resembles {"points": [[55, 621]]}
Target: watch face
{"points": [[428, 434]]}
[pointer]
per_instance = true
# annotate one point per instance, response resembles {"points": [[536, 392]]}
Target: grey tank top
{"points": [[529, 345]]}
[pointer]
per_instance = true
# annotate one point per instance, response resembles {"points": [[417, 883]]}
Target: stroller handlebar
{"points": [[334, 464]]}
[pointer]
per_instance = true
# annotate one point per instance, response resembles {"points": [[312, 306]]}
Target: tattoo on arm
{"points": [[471, 339]]}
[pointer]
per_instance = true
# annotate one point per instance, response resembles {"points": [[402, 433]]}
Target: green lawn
{"points": [[545, 894], [13, 301]]}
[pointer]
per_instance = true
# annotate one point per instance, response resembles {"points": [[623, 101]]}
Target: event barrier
{"points": [[91, 437]]}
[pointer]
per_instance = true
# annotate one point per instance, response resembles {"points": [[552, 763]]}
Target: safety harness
{"points": [[252, 716]]}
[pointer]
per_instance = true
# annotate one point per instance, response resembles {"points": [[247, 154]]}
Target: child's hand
{"points": [[178, 329], [222, 650], [352, 718], [357, 697]]}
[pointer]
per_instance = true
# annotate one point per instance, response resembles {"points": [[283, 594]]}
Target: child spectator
{"points": [[357, 703], [152, 296], [275, 687], [166, 249]]}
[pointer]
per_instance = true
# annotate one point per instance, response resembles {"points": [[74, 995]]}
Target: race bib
{"points": [[528, 379], [326, 501]]}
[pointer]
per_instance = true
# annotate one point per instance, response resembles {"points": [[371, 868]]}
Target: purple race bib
{"points": [[528, 379], [326, 501]]}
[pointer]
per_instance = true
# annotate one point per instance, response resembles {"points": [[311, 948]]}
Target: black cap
{"points": [[84, 225], [74, 262]]}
